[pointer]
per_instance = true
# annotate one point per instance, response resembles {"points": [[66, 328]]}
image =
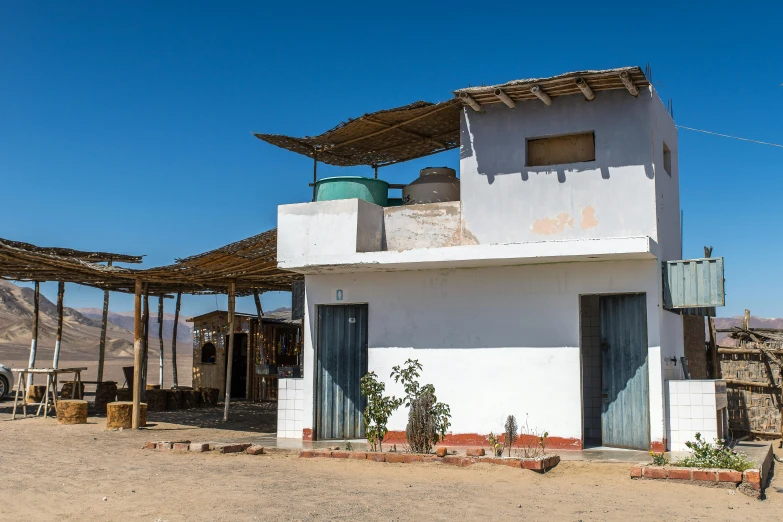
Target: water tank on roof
{"points": [[435, 184]]}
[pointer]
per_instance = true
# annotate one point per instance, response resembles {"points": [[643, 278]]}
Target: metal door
{"points": [[341, 362], [625, 417]]}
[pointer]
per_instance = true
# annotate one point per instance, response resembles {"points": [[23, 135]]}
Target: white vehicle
{"points": [[6, 381]]}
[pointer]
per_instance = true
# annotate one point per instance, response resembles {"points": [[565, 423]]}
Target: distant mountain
{"points": [[79, 331], [125, 320], [755, 322]]}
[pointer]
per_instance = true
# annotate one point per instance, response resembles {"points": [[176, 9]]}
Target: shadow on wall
{"points": [[500, 134]]}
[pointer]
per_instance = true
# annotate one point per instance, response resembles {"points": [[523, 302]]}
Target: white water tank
{"points": [[434, 184]]}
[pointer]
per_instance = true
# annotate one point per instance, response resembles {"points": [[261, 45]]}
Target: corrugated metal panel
{"points": [[625, 418], [341, 362], [297, 300], [691, 283]]}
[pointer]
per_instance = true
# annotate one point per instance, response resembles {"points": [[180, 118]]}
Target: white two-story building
{"points": [[535, 289]]}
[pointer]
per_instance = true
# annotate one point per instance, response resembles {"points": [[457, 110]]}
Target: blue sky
{"points": [[127, 126]]}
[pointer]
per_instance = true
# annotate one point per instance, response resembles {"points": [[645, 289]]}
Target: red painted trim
{"points": [[307, 434], [475, 439], [658, 446]]}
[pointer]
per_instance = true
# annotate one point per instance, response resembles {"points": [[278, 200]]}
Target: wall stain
{"points": [[549, 226], [467, 236], [588, 218]]}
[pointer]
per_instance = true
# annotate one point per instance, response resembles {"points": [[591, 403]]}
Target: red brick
{"points": [[654, 472], [704, 475], [181, 446], [245, 445], [752, 477], [730, 476], [307, 454], [679, 473], [512, 463], [474, 452], [429, 458], [452, 459], [441, 452], [376, 457], [408, 459], [357, 455], [232, 448], [199, 447], [255, 450], [395, 458], [150, 445], [163, 446], [339, 454], [636, 472]]}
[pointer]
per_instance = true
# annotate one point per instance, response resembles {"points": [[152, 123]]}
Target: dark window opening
{"points": [[208, 353], [667, 159], [561, 150]]}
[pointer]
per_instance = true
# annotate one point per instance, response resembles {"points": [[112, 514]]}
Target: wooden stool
{"points": [[71, 411], [120, 415]]}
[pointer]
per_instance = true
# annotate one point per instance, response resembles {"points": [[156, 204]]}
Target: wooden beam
{"points": [[160, 340], [137, 356], [586, 90], [59, 337], [146, 339], [315, 170], [628, 82], [468, 100], [174, 382], [541, 95], [502, 96], [104, 325], [34, 332], [230, 362], [746, 320], [412, 133]]}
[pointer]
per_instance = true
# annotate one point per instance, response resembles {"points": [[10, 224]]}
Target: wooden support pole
{"points": [[160, 340], [137, 356], [315, 170], [145, 317], [174, 382], [59, 338], [230, 362], [716, 372], [104, 324], [34, 332], [746, 320]]}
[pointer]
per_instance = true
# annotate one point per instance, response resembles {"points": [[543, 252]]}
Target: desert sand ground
{"points": [[86, 473]]}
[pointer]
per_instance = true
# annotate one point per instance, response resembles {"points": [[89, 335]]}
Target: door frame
{"points": [[314, 342], [581, 361]]}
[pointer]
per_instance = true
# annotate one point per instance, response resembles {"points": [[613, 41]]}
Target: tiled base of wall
{"points": [[290, 408]]}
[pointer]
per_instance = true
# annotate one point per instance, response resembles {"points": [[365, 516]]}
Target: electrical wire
{"points": [[728, 136]]}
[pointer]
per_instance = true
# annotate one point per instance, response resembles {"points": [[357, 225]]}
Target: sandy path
{"points": [[64, 472]]}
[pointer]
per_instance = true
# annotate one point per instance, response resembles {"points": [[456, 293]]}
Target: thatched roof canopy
{"points": [[381, 138]]}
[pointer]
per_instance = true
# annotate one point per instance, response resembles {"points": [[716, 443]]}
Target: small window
{"points": [[208, 354], [561, 150], [667, 159]]}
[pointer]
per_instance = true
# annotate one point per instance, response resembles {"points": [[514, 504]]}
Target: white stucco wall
{"points": [[613, 196], [667, 185], [494, 341]]}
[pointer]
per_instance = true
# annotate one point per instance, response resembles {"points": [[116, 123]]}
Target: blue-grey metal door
{"points": [[625, 417], [341, 362]]}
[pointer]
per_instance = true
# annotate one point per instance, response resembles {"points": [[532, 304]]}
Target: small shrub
{"points": [[495, 446], [348, 446], [718, 455], [378, 410], [428, 419], [512, 430], [533, 442], [659, 459]]}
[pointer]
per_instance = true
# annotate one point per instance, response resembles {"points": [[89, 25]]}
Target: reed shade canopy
{"points": [[251, 264], [381, 138], [561, 85]]}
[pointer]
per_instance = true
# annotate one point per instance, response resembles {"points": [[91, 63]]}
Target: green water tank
{"points": [[349, 187]]}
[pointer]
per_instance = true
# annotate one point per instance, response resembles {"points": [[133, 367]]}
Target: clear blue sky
{"points": [[126, 126]]}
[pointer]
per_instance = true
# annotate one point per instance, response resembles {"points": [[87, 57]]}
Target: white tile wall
{"points": [[691, 409], [290, 408]]}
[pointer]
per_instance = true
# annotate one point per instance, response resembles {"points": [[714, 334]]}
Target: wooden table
{"points": [[51, 387]]}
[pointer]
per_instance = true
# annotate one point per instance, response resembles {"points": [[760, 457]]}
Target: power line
{"points": [[732, 137]]}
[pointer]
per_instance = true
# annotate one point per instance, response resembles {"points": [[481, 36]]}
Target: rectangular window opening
{"points": [[667, 159], [561, 150]]}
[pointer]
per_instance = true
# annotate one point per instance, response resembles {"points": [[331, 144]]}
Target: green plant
{"points": [[532, 443], [511, 432], [348, 446], [718, 455], [659, 459], [378, 410], [495, 446], [428, 419]]}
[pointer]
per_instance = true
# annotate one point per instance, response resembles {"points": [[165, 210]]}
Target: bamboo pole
{"points": [[249, 362], [230, 362], [104, 324], [315, 170], [58, 340], [145, 317], [174, 382], [160, 340], [137, 357], [34, 332]]}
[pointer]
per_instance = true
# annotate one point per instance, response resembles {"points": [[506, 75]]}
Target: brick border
{"points": [[200, 447], [540, 464], [749, 481]]}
